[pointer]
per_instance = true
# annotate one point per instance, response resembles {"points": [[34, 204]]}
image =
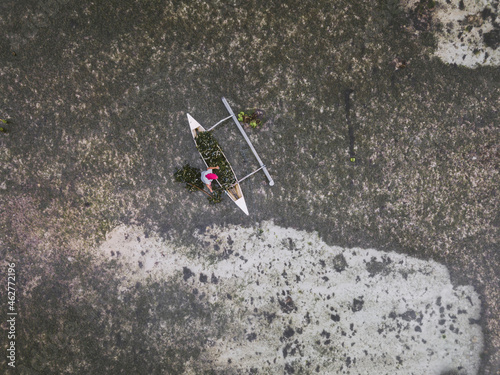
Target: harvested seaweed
{"points": [[191, 177], [253, 117]]}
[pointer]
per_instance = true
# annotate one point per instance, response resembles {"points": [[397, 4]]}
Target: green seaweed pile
{"points": [[212, 154], [252, 117], [191, 176], [2, 129]]}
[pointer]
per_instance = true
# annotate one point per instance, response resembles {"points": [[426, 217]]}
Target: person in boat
{"points": [[208, 176]]}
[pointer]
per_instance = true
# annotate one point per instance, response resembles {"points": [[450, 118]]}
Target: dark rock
{"points": [[307, 318], [269, 317], [187, 273], [492, 39], [409, 315], [339, 263], [287, 305], [289, 369], [375, 267], [335, 317], [357, 304], [285, 350], [487, 13], [289, 332]]}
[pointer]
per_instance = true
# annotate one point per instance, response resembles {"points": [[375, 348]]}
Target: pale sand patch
{"points": [[292, 301], [461, 39]]}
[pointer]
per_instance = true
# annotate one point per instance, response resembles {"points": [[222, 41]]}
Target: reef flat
{"points": [[94, 98]]}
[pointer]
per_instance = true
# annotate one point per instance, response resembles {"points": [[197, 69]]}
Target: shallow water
{"points": [[293, 304], [96, 94]]}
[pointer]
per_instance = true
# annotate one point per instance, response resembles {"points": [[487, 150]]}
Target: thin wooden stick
{"points": [[199, 189]]}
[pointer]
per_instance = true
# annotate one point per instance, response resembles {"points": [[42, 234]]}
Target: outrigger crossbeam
{"points": [[250, 174], [261, 164], [220, 122]]}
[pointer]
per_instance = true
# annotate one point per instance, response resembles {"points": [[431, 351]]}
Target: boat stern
{"points": [[242, 205]]}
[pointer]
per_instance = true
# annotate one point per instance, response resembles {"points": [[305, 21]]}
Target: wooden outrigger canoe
{"points": [[234, 192]]}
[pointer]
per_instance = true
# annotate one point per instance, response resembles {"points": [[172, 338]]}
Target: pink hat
{"points": [[212, 176]]}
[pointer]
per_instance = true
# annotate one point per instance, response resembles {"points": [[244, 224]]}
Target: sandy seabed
{"points": [[291, 301]]}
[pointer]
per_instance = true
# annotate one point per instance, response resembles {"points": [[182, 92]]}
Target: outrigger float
{"points": [[234, 192]]}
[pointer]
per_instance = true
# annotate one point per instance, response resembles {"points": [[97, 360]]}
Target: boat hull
{"points": [[235, 193]]}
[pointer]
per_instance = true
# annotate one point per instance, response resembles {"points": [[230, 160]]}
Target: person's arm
{"points": [[212, 168]]}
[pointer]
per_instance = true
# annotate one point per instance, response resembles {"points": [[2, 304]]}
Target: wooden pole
{"points": [[198, 188]]}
